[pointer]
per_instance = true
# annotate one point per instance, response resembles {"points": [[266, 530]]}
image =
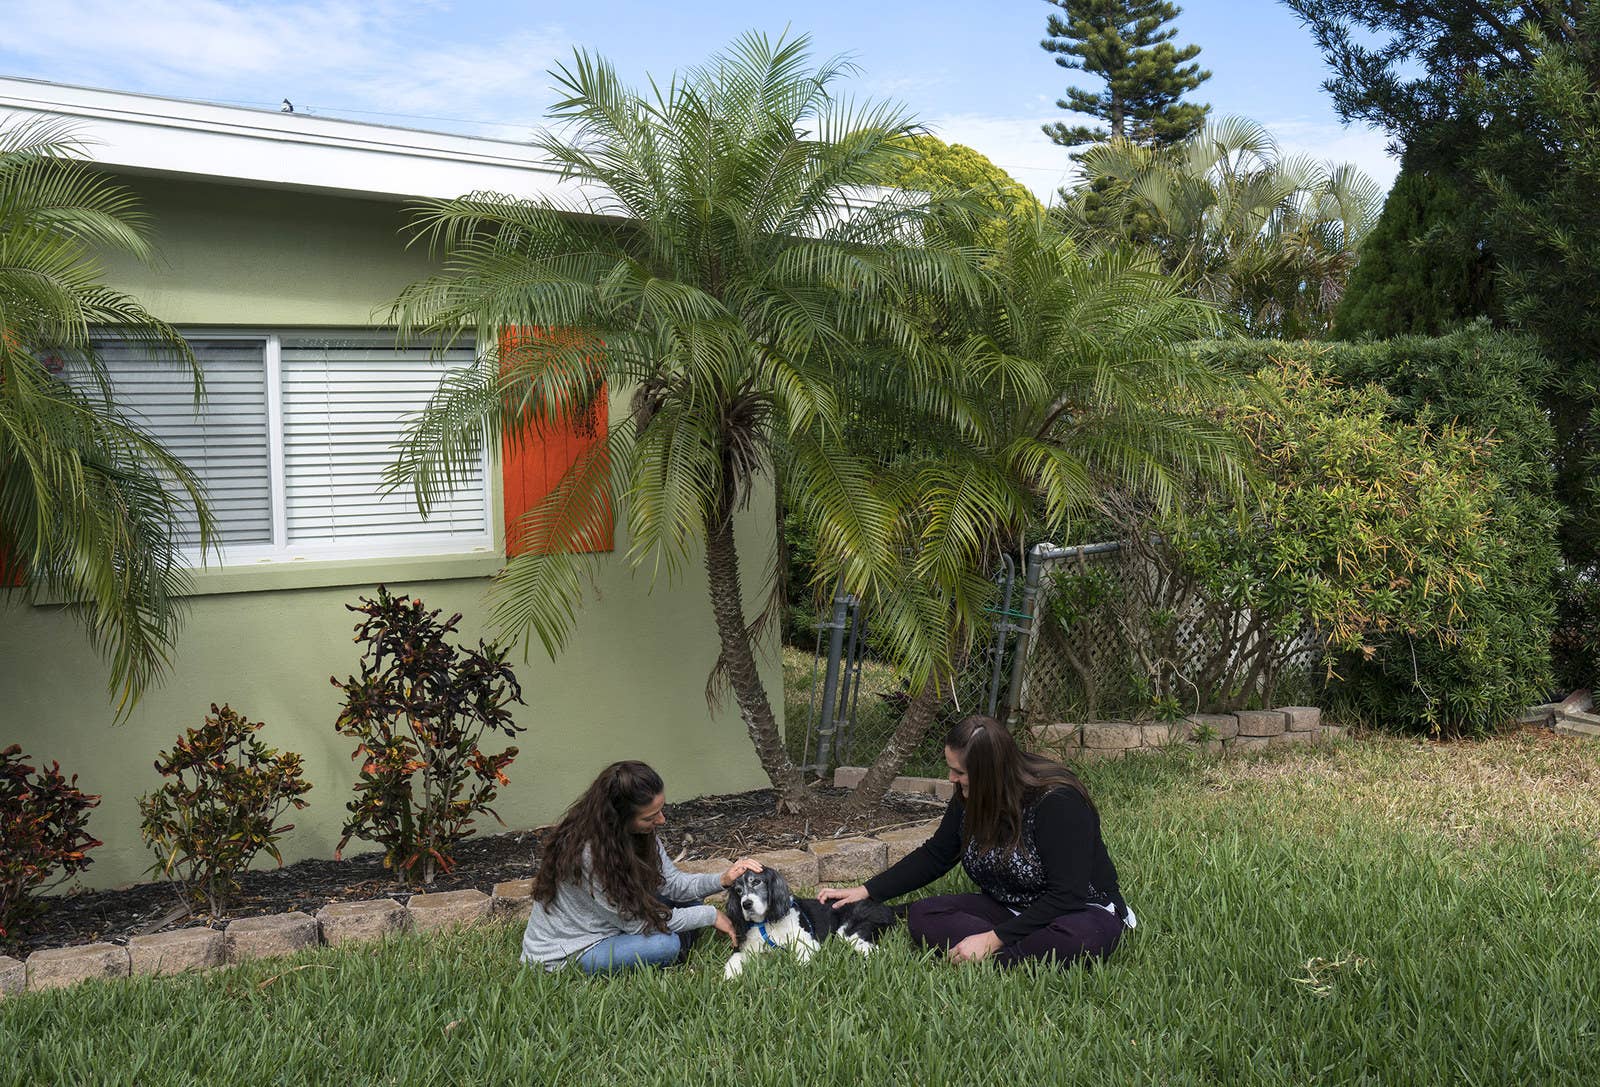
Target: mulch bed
{"points": [[708, 826]]}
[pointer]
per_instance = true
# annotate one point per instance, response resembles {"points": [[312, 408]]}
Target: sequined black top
{"points": [[1060, 864]]}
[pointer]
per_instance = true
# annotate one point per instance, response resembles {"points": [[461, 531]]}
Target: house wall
{"points": [[631, 683]]}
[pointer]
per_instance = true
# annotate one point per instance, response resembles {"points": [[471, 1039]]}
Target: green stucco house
{"points": [[281, 250]]}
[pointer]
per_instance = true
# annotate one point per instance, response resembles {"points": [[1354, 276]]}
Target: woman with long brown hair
{"points": [[606, 896], [1027, 834]]}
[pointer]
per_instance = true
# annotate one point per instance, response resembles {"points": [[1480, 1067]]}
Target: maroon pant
{"points": [[945, 920]]}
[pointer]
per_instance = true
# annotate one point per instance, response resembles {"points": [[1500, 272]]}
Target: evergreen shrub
{"points": [[1475, 648], [43, 821], [220, 806], [419, 709]]}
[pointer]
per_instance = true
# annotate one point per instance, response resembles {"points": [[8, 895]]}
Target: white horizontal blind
{"points": [[225, 443], [346, 399]]}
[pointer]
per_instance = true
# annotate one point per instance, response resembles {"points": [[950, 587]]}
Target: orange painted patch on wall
{"points": [[555, 470], [12, 572]]}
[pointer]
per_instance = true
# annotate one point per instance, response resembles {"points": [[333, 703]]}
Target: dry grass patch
{"points": [[1531, 786]]}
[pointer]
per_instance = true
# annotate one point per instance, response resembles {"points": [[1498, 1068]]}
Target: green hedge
{"points": [[1498, 658]]}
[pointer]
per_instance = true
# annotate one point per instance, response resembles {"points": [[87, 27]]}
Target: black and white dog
{"points": [[766, 915]]}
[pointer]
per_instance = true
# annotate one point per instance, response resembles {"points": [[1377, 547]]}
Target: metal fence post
{"points": [[1002, 627], [830, 679], [1024, 625]]}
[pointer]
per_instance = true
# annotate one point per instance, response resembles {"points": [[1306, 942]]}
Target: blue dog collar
{"points": [[794, 904]]}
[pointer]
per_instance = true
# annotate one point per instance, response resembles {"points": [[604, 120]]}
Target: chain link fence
{"points": [[854, 701]]}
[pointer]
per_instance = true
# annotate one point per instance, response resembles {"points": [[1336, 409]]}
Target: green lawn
{"points": [[1381, 912]]}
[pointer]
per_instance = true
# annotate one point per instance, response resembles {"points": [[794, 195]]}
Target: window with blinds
{"points": [[225, 441], [293, 438], [345, 401]]}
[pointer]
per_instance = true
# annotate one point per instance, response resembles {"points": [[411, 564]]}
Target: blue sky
{"points": [[973, 72]]}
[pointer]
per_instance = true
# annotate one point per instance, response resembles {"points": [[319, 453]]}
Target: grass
{"points": [[1382, 912]]}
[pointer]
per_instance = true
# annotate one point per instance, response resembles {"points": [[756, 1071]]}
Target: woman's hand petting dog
{"points": [[739, 868], [725, 926], [838, 897], [976, 948]]}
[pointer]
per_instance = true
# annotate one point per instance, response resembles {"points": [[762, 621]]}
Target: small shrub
{"points": [[42, 821], [221, 808], [419, 709]]}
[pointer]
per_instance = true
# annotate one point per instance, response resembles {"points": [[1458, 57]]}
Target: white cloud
{"points": [[1329, 142], [333, 54]]}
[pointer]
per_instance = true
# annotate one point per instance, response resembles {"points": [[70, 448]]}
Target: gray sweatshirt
{"points": [[581, 915]]}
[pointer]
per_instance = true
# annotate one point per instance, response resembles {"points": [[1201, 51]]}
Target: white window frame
{"points": [[281, 551]]}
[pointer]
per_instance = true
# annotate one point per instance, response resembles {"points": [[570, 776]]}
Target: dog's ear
{"points": [[735, 912], [780, 900]]}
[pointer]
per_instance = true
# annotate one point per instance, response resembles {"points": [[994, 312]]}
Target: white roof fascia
{"points": [[293, 150]]}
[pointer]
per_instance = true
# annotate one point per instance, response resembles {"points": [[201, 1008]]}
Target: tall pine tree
{"points": [[1126, 43], [1423, 269]]}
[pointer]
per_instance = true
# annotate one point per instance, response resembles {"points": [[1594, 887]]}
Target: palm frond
{"points": [[91, 507]]}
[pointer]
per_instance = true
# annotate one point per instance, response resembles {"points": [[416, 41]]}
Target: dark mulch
{"points": [[708, 826]]}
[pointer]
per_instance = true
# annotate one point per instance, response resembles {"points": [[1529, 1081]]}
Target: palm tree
{"points": [[730, 257], [90, 506], [1269, 239], [1073, 379]]}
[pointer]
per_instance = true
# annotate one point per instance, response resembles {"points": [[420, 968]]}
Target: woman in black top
{"points": [[1025, 831]]}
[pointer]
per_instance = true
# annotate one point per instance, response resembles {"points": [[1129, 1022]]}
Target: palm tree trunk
{"points": [[739, 660], [920, 715]]}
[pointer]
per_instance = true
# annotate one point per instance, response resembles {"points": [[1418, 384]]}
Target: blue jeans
{"points": [[626, 950]]}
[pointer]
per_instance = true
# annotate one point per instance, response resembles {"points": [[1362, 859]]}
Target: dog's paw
{"points": [[734, 968]]}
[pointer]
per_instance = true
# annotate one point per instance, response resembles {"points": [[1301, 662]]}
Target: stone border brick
{"points": [[1060, 734], [1261, 722], [356, 922], [275, 934], [1166, 733], [1223, 726], [163, 953], [56, 968], [447, 909], [899, 843], [13, 976], [1248, 745], [848, 777], [848, 860], [1112, 735], [798, 866], [511, 900], [1302, 718]]}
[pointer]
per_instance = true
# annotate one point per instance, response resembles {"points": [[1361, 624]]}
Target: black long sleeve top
{"points": [[1060, 864]]}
